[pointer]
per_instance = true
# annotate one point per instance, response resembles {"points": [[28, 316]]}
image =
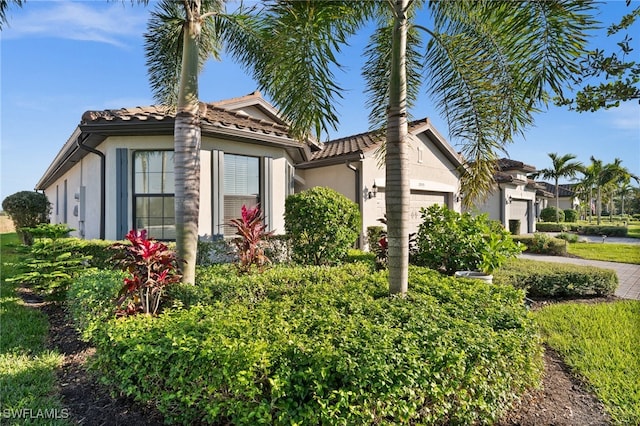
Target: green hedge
{"points": [[550, 279], [542, 244], [552, 227], [322, 345], [610, 231]]}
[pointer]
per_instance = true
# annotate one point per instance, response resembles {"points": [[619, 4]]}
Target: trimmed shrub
{"points": [[27, 209], [550, 279], [548, 214], [328, 346], [448, 241], [570, 238], [570, 215], [91, 300], [322, 224], [550, 227], [540, 243], [610, 231]]}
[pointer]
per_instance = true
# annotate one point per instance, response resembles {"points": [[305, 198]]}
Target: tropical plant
{"points": [[448, 241], [489, 65], [151, 267], [27, 209], [251, 232], [550, 214], [562, 167]]}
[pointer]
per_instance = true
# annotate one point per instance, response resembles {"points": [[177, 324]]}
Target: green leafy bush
{"points": [[91, 299], [322, 345], [540, 243], [322, 224], [550, 279], [448, 241], [570, 215], [548, 214], [610, 231], [27, 209], [570, 238], [551, 227]]}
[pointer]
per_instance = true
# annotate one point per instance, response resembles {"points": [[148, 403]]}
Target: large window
{"points": [[241, 186], [153, 182]]}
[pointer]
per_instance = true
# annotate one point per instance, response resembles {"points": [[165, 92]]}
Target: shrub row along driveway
{"points": [[628, 274]]}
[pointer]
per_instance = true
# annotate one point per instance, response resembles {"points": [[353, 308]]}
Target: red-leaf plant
{"points": [[151, 265], [251, 232]]}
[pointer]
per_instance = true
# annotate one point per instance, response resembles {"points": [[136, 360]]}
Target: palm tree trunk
{"points": [[397, 160], [599, 205], [187, 155]]}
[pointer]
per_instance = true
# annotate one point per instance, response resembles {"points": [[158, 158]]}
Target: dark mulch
{"points": [[561, 400]]}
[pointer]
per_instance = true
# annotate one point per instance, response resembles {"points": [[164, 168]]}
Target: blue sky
{"points": [[61, 58]]}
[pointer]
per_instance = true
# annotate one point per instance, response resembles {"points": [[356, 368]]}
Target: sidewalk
{"points": [[628, 274]]}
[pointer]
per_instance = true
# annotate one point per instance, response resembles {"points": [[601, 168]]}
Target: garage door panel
{"points": [[423, 199]]}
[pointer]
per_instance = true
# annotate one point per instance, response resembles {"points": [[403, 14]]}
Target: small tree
{"points": [[322, 224], [27, 209], [551, 214]]}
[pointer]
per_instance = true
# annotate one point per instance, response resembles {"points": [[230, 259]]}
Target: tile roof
{"points": [[564, 190], [505, 164], [210, 114], [359, 143]]}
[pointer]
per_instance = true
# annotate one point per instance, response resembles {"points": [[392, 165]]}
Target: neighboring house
{"points": [[350, 166], [567, 197], [515, 197], [115, 172]]}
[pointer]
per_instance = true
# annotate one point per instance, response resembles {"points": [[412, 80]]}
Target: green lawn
{"points": [[601, 342], [27, 368], [611, 252]]}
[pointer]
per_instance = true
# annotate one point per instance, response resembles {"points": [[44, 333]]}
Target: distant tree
{"points": [[4, 7], [27, 209], [562, 167], [621, 74]]}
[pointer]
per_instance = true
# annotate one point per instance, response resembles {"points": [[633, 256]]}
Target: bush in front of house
{"points": [[91, 299], [327, 345], [570, 215], [610, 231], [540, 243], [550, 279], [551, 227], [322, 225], [448, 241], [26, 209], [548, 214]]}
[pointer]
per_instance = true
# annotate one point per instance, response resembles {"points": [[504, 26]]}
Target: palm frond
{"points": [[296, 68]]}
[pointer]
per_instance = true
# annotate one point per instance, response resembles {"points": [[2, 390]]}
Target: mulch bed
{"points": [[562, 399]]}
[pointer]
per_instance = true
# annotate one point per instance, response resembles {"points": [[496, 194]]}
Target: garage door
{"points": [[420, 199], [519, 209]]}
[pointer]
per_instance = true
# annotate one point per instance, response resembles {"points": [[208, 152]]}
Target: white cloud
{"points": [[100, 22], [624, 117]]}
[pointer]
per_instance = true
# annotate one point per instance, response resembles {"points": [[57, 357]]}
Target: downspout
{"points": [[358, 193], [103, 180]]}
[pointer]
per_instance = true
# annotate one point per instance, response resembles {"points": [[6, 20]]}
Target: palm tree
{"points": [[562, 167], [489, 66], [4, 7], [182, 35]]}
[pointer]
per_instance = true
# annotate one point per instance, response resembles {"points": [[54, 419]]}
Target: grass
{"points": [[611, 252], [601, 342], [27, 368]]}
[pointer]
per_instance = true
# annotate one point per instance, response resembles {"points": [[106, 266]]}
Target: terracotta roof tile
{"points": [[359, 143], [505, 164]]}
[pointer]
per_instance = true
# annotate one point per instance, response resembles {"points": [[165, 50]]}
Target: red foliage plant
{"points": [[151, 266], [251, 232]]}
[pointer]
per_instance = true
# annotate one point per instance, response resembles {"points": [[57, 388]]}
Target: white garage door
{"points": [[420, 199], [519, 209]]}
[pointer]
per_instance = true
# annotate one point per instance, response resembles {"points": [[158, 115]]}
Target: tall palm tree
{"points": [[562, 167], [4, 8], [489, 66], [182, 35]]}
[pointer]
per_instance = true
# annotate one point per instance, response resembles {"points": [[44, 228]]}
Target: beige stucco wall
{"points": [[497, 208]]}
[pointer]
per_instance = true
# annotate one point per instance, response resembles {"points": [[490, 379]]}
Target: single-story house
{"points": [[515, 197], [115, 172], [567, 198]]}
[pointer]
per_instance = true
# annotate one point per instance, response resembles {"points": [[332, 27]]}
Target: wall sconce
{"points": [[373, 192], [509, 199], [457, 198]]}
